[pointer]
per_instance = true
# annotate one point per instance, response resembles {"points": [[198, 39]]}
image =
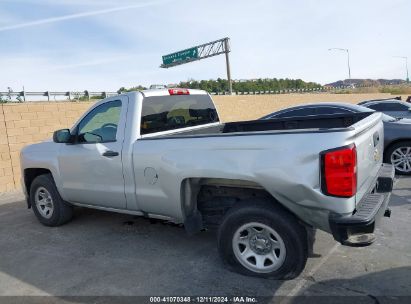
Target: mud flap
{"points": [[193, 223]]}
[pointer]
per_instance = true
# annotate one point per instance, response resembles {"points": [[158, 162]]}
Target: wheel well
{"points": [[212, 198], [394, 143], [214, 201], [30, 174]]}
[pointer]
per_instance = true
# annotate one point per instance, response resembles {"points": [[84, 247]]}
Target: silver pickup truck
{"points": [[264, 185]]}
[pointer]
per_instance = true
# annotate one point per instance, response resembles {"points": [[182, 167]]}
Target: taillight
{"points": [[339, 171], [179, 91]]}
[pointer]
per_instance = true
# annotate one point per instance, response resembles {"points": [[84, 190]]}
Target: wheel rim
{"points": [[44, 202], [401, 159], [259, 247]]}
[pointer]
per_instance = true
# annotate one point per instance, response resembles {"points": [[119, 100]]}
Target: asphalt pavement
{"points": [[107, 254]]}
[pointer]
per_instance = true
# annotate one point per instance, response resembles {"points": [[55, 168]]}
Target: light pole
{"points": [[406, 65], [348, 59]]}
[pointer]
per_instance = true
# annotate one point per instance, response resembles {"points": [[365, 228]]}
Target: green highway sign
{"points": [[188, 54], [202, 51]]}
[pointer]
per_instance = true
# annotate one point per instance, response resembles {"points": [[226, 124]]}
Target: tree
{"points": [[221, 85]]}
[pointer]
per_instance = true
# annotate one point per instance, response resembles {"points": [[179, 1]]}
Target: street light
{"points": [[406, 65], [348, 59]]}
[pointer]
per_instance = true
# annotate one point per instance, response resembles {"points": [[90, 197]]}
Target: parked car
{"points": [[157, 86], [380, 99], [397, 131], [394, 108], [263, 184]]}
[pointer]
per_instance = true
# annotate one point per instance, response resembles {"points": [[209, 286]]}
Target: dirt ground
{"points": [[246, 107]]}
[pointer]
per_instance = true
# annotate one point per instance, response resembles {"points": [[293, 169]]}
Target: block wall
{"points": [[23, 124]]}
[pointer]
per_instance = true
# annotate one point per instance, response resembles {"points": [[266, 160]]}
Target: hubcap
{"points": [[44, 202], [401, 159], [259, 247]]}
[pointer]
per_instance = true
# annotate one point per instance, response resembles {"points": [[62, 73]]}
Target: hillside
{"points": [[365, 82]]}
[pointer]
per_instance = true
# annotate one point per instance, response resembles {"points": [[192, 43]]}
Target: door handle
{"points": [[110, 153]]}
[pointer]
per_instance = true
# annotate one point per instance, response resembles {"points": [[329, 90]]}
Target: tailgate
{"points": [[369, 141]]}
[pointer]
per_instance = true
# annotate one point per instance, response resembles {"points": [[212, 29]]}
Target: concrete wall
{"points": [[26, 123]]}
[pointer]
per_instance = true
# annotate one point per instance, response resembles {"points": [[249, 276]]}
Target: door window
{"points": [[377, 107], [388, 107], [330, 110], [100, 125], [396, 107], [297, 112]]}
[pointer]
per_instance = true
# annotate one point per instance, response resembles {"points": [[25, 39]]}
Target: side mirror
{"points": [[62, 136]]}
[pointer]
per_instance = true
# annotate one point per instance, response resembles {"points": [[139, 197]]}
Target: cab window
{"points": [[163, 113]]}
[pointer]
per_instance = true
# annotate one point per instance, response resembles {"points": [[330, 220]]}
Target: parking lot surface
{"points": [[107, 254]]}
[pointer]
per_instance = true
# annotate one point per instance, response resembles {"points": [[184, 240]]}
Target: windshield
{"points": [[163, 113]]}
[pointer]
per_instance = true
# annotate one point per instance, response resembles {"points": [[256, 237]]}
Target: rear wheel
{"points": [[258, 247], [48, 206], [399, 155], [258, 239]]}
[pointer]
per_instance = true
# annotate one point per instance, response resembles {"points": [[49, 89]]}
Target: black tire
{"points": [[293, 234], [391, 149], [62, 211]]}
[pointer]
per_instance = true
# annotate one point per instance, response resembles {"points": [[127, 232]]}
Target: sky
{"points": [[102, 45]]}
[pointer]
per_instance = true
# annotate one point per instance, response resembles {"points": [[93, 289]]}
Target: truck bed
{"points": [[319, 122]]}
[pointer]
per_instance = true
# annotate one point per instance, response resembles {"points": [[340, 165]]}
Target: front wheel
{"points": [[259, 239], [399, 155], [48, 206]]}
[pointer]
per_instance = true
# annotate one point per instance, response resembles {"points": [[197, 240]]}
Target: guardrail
{"points": [[70, 94], [284, 91]]}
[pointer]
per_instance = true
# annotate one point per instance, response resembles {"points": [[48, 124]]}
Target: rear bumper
{"points": [[358, 228]]}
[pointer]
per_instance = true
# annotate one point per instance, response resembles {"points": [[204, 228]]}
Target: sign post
{"points": [[227, 62], [199, 52]]}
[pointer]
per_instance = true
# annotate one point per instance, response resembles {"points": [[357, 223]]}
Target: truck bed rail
{"points": [[324, 121]]}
